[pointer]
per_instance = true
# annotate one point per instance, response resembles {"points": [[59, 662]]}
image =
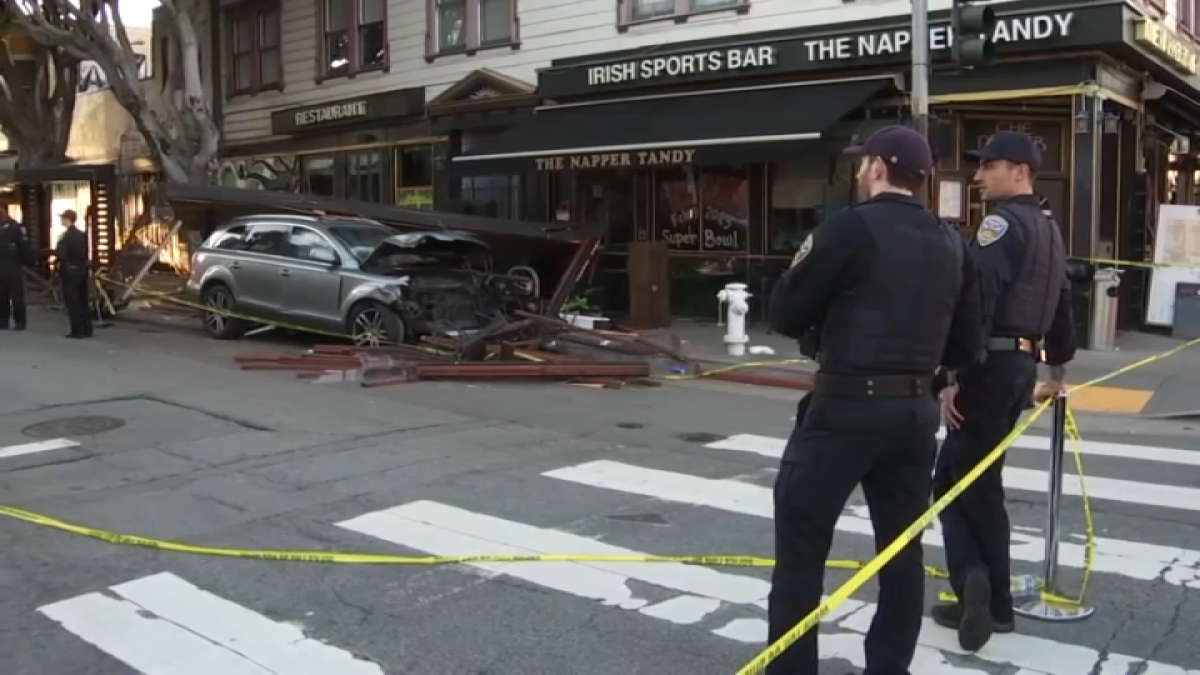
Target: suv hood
{"points": [[423, 243]]}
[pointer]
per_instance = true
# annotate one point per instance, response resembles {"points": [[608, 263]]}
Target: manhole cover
{"points": [[631, 425], [700, 438], [85, 425]]}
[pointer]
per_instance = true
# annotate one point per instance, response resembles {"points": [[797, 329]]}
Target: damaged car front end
{"points": [[437, 283]]}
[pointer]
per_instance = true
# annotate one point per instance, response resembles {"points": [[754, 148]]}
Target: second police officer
{"points": [[891, 294], [1018, 251], [72, 255]]}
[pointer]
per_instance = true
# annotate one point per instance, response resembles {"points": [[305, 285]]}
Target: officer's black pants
{"points": [[12, 296], [75, 293], [992, 397], [888, 445]]}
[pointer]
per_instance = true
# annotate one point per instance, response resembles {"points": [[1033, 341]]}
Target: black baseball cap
{"points": [[1011, 146], [900, 146]]}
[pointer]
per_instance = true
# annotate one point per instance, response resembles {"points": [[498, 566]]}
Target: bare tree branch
{"points": [[180, 132], [38, 99]]}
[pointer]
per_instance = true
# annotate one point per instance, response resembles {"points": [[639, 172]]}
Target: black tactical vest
{"points": [[897, 319], [1026, 308]]}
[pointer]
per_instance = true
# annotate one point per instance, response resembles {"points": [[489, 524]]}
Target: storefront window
{"points": [[703, 209], [364, 176], [414, 176], [725, 212], [677, 208], [318, 175], [493, 196], [606, 198], [798, 193]]}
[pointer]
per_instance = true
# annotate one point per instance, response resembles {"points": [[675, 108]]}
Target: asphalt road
{"points": [[155, 433]]}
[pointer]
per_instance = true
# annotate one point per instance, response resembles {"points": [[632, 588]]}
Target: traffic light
{"points": [[972, 26]]}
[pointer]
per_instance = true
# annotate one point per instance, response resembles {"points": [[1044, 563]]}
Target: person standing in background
{"points": [[14, 255], [72, 255]]}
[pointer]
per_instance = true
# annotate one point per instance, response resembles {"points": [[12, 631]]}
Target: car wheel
{"points": [[373, 324], [217, 323]]}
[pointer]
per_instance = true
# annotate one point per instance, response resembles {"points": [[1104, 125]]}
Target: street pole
{"points": [[920, 66], [920, 78], [1045, 608]]}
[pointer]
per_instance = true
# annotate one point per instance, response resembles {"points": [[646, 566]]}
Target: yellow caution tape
{"points": [[348, 558], [736, 366], [1132, 263], [201, 307]]}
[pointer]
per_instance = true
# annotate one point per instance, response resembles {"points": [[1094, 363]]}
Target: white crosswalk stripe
{"points": [[1033, 480], [22, 449], [163, 625]]}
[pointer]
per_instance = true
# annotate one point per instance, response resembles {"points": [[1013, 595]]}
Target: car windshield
{"points": [[361, 241]]}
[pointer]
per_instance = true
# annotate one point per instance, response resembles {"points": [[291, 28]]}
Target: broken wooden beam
{"points": [[508, 370]]}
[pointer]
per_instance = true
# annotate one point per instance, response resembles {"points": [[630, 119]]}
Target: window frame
{"points": [[355, 66], [684, 10], [474, 43], [258, 13], [1186, 18]]}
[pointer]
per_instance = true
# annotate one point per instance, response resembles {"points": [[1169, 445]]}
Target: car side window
{"points": [[306, 244], [231, 239], [266, 238]]}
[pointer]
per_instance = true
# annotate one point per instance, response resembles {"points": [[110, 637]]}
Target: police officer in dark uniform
{"points": [[890, 292], [14, 255], [72, 254], [1025, 294]]}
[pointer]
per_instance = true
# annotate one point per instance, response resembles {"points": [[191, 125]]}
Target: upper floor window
{"points": [[637, 11], [252, 31], [354, 37], [1186, 12], [466, 26]]}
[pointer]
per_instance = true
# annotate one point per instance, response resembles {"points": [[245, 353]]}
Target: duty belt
{"points": [[873, 385], [1013, 344]]}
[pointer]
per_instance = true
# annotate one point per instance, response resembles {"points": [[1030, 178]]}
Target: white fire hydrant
{"points": [[734, 297]]}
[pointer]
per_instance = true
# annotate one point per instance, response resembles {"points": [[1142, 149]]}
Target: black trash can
{"points": [[1081, 273]]}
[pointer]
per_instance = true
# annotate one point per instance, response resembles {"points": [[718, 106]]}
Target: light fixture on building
{"points": [[1083, 122], [1112, 123]]}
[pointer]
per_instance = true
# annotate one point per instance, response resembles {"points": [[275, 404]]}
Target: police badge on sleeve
{"points": [[803, 251], [991, 230]]}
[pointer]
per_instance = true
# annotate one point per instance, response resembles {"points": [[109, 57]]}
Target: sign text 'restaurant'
{"points": [[331, 113], [1009, 29]]}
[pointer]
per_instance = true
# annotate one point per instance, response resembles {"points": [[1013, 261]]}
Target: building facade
{"points": [[711, 128]]}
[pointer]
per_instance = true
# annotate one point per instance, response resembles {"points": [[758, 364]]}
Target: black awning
{"points": [[727, 126]]}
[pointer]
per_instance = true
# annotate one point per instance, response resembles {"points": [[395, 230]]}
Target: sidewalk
{"points": [[1167, 386]]}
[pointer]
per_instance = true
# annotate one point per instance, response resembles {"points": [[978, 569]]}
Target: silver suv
{"points": [[351, 276]]}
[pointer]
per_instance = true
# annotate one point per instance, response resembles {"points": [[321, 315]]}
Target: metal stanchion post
{"points": [[1041, 607]]}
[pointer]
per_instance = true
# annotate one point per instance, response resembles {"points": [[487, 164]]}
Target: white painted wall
{"points": [[550, 29]]}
